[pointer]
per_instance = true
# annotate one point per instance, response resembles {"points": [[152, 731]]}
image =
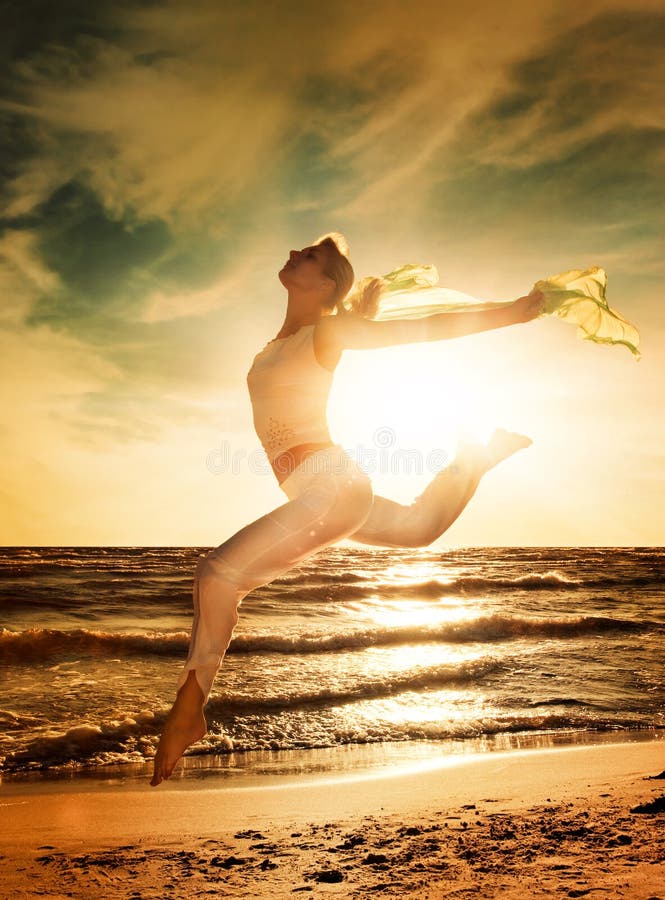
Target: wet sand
{"points": [[565, 822]]}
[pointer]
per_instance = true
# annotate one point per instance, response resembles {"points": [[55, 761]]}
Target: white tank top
{"points": [[289, 389]]}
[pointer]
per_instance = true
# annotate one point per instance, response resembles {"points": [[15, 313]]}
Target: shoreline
{"points": [[259, 767], [493, 821]]}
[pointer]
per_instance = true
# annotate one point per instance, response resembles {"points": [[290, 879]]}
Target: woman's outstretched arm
{"points": [[352, 332]]}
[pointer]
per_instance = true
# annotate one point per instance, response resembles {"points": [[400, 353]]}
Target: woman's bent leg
{"points": [[391, 524], [418, 524]]}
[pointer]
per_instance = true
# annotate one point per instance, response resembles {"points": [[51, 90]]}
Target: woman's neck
{"points": [[291, 325]]}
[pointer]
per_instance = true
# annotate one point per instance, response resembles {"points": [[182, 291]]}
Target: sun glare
{"points": [[411, 398], [425, 615]]}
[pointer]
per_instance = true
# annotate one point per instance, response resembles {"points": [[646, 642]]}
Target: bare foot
{"points": [[185, 724], [504, 443], [500, 446]]}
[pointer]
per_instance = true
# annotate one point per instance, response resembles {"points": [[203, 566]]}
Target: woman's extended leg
{"points": [[328, 507], [392, 524]]}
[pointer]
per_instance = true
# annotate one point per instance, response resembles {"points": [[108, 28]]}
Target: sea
{"points": [[415, 652]]}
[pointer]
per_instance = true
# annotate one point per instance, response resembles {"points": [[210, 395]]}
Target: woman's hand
{"points": [[369, 302], [528, 307]]}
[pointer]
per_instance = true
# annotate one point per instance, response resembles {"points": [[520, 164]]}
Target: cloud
{"points": [[159, 160], [23, 275]]}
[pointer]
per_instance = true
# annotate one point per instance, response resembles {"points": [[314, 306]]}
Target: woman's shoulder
{"points": [[351, 331]]}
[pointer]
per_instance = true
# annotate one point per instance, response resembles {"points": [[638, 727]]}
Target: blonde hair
{"points": [[359, 298]]}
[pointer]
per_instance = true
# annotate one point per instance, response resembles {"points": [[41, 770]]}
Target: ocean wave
{"points": [[169, 588], [424, 678], [39, 644], [559, 701], [339, 588], [307, 577], [134, 738], [102, 596], [93, 743], [552, 580]]}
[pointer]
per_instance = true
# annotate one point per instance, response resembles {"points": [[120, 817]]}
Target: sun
{"points": [[411, 400]]}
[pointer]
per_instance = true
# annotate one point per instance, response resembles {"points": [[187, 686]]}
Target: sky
{"points": [[159, 160]]}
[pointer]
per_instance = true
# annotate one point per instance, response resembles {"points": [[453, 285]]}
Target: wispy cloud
{"points": [[159, 160]]}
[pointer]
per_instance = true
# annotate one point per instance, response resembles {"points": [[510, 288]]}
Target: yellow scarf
{"points": [[576, 296]]}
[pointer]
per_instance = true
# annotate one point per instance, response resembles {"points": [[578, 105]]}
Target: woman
{"points": [[330, 497]]}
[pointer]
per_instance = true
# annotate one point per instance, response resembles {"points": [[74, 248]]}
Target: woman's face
{"points": [[305, 269]]}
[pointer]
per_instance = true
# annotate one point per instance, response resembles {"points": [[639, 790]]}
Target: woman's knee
{"points": [[420, 535], [214, 568]]}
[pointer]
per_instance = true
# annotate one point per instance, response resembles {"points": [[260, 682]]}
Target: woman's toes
{"points": [[504, 443]]}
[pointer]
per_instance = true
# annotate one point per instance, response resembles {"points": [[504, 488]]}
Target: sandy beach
{"points": [[563, 822]]}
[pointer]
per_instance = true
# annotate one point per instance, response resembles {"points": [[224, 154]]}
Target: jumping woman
{"points": [[329, 496]]}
